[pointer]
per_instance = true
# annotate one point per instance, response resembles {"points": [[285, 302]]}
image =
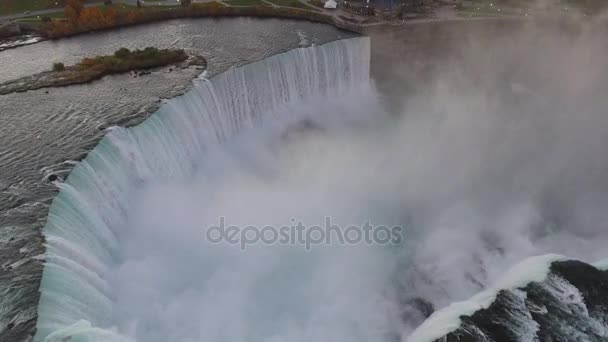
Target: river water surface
{"points": [[44, 132], [497, 151]]}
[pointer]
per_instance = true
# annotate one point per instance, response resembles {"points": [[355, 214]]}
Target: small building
{"points": [[330, 4]]}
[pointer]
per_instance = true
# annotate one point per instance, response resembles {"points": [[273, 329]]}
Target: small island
{"points": [[91, 69]]}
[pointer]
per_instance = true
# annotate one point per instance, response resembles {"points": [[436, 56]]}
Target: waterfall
{"points": [[128, 257], [89, 215]]}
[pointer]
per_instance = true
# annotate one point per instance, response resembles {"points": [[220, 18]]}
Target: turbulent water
{"points": [[545, 298], [490, 159], [45, 132], [94, 286]]}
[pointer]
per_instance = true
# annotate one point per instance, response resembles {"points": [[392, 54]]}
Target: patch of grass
{"points": [[38, 18], [148, 8], [120, 8], [19, 6], [246, 3], [292, 3], [477, 15], [317, 3], [494, 8], [522, 6], [590, 5]]}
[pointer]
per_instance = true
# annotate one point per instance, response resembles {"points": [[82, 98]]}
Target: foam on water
{"points": [[289, 137], [442, 322], [91, 218], [602, 264]]}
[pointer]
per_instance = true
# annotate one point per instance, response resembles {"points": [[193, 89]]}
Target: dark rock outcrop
{"points": [[570, 305]]}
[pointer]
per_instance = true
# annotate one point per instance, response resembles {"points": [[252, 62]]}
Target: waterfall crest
{"points": [[88, 215]]}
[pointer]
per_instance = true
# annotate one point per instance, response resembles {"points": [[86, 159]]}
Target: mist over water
{"points": [[501, 151], [268, 292], [497, 157]]}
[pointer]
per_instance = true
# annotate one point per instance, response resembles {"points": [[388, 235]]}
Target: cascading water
{"points": [[495, 162], [95, 220], [303, 135]]}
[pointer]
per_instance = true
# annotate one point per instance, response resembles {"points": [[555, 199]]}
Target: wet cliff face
{"points": [[570, 305]]}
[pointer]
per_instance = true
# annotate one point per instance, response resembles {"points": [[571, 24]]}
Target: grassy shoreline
{"points": [[8, 7], [60, 28], [91, 69]]}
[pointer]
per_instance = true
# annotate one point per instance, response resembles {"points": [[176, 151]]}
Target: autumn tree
{"points": [[56, 28], [111, 17], [77, 5], [72, 11], [71, 15], [91, 18], [132, 17]]}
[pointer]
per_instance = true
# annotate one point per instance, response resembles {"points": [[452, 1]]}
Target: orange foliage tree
{"points": [[132, 17], [80, 18], [71, 15], [77, 5], [111, 17], [91, 18], [59, 28], [72, 10]]}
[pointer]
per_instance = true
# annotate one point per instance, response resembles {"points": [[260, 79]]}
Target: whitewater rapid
{"points": [[99, 283], [303, 135]]}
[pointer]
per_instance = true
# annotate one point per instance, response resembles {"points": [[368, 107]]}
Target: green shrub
{"points": [[317, 3], [58, 67], [147, 53], [122, 53]]}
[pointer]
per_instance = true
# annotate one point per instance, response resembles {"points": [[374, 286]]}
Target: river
{"points": [[44, 132], [493, 151]]}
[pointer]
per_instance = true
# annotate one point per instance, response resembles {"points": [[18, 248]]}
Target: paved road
{"points": [[92, 4]]}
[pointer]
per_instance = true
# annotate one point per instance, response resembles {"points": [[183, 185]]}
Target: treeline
{"points": [[90, 19], [81, 19]]}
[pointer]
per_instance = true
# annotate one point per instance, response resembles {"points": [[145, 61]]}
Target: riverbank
{"points": [[18, 41], [119, 16], [91, 69], [17, 34], [112, 19], [97, 16]]}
